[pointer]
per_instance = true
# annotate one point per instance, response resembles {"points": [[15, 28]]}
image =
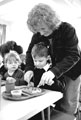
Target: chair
{"points": [[78, 113], [48, 112], [58, 115]]}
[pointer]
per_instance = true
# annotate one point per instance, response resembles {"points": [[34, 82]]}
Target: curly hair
{"points": [[42, 12], [10, 45]]}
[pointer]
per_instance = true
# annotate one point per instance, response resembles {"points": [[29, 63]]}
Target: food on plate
{"points": [[35, 90], [16, 93], [32, 90]]}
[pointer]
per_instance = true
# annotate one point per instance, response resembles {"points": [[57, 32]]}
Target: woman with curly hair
{"points": [[46, 26]]}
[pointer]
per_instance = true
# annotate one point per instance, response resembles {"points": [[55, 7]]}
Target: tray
{"points": [[25, 95], [33, 91], [10, 97]]}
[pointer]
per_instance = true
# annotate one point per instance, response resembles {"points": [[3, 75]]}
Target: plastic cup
{"points": [[10, 84]]}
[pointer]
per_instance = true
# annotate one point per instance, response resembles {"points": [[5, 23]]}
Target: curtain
{"points": [[2, 33]]}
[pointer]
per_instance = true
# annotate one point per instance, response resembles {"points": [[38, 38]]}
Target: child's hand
{"points": [[28, 75], [10, 79], [30, 84]]}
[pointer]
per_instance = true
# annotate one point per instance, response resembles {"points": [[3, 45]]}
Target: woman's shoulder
{"points": [[65, 25], [66, 28]]}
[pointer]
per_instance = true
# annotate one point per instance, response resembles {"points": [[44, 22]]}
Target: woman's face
{"points": [[43, 29]]}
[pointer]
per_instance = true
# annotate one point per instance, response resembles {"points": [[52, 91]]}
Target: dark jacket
{"points": [[58, 85], [63, 46], [75, 71]]}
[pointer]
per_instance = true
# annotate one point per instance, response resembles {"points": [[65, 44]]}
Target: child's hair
{"points": [[12, 54], [10, 45], [40, 49]]}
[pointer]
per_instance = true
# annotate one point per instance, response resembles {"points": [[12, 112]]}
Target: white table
{"points": [[23, 110]]}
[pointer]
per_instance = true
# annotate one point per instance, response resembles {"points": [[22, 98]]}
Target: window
{"points": [[2, 33]]}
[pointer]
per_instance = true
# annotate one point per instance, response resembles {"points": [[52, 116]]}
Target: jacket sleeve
{"points": [[71, 50]]}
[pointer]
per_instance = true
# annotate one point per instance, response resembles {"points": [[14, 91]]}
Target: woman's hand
{"points": [[30, 84], [47, 78], [28, 75]]}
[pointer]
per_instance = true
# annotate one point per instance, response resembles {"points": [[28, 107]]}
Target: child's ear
{"points": [[49, 59]]}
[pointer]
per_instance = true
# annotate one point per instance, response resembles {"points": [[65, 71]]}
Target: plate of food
{"points": [[23, 93], [16, 95], [34, 91]]}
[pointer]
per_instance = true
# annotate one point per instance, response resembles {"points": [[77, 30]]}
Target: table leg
{"points": [[42, 113], [48, 112]]}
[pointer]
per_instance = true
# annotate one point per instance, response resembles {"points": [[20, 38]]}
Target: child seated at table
{"points": [[12, 61], [42, 62]]}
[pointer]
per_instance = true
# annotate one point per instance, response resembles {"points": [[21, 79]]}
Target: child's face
{"points": [[12, 64], [40, 62]]}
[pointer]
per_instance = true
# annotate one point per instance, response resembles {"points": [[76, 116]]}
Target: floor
{"points": [[57, 115]]}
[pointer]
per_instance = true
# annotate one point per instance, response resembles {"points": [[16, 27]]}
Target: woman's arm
{"points": [[71, 52]]}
